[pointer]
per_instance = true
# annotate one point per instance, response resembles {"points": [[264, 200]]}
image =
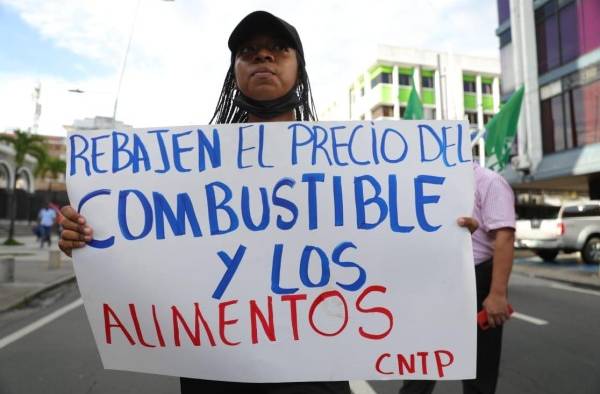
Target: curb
{"points": [[592, 283], [28, 297]]}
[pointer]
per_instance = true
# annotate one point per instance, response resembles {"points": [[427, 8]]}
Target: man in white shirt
{"points": [[46, 218]]}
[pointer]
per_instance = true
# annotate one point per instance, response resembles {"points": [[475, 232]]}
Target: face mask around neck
{"points": [[267, 109]]}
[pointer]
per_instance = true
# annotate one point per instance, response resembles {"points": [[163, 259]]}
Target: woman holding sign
{"points": [[266, 81]]}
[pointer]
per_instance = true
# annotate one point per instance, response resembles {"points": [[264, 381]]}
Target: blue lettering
{"points": [[276, 273], [362, 274], [178, 150], [285, 203], [361, 202], [97, 243], [232, 265], [421, 199], [213, 149], [305, 263], [79, 155], [247, 211], [122, 214], [295, 143], [213, 207], [163, 150], [312, 179], [96, 154], [185, 210]]}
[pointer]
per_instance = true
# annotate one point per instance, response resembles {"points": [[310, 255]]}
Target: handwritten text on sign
{"points": [[279, 251]]}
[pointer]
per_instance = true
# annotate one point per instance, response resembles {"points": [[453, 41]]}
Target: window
{"points": [[558, 124], [429, 113], [559, 34], [471, 117], [381, 78], [362, 91], [469, 86], [585, 107], [505, 38], [427, 82], [487, 118], [404, 80], [402, 111], [503, 10], [383, 111], [486, 88], [581, 211]]}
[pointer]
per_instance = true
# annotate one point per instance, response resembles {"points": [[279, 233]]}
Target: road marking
{"points": [[574, 289], [361, 387], [529, 319], [15, 336]]}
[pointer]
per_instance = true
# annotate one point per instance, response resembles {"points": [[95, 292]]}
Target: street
{"points": [[549, 347]]}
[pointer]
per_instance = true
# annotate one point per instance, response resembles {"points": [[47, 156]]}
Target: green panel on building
{"points": [[427, 73], [489, 80], [404, 93], [386, 94], [468, 78], [428, 96], [487, 102], [405, 70], [470, 101], [376, 70]]}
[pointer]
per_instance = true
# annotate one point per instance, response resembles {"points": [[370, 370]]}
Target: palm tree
{"points": [[50, 167], [23, 143]]}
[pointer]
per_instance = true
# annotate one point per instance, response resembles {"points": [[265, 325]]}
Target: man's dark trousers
{"points": [[489, 346]]}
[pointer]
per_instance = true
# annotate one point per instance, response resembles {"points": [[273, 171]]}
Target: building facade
{"points": [[451, 86], [552, 47]]}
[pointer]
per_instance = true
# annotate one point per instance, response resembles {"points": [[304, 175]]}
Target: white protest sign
{"points": [[280, 251]]}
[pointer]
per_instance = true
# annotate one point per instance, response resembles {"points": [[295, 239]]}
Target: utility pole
{"points": [[38, 108]]}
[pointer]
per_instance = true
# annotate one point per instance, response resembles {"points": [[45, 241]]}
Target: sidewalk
{"points": [[33, 273], [567, 268]]}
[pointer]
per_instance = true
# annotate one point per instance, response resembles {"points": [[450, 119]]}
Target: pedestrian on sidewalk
{"points": [[493, 252], [46, 219]]}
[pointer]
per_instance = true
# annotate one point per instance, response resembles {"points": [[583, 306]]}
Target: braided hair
{"points": [[227, 112]]}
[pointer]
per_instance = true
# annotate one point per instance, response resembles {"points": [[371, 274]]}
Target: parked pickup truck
{"points": [[571, 227]]}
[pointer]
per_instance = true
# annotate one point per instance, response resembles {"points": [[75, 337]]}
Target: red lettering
{"points": [[438, 361], [423, 356], [378, 364], [268, 328], [322, 297], [195, 337], [136, 324], [293, 298], [382, 310], [161, 340], [224, 322], [402, 363], [107, 325]]}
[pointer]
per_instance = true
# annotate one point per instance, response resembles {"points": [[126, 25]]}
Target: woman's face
{"points": [[265, 68]]}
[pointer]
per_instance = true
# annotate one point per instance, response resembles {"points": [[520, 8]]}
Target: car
{"points": [[547, 230]]}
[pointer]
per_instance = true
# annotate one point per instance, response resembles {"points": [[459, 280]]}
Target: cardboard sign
{"points": [[280, 251]]}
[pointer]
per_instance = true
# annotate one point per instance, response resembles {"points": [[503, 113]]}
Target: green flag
{"points": [[414, 108], [501, 129]]}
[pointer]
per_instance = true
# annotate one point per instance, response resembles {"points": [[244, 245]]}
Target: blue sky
{"points": [[179, 55], [24, 50]]}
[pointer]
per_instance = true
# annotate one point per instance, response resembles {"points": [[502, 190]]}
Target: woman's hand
{"points": [[75, 232], [468, 222]]}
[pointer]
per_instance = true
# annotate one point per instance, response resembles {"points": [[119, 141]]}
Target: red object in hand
{"points": [[482, 318]]}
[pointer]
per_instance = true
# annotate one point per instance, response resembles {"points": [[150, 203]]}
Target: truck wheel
{"points": [[547, 255], [591, 251]]}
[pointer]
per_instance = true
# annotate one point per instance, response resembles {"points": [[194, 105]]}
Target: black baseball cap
{"points": [[262, 22]]}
